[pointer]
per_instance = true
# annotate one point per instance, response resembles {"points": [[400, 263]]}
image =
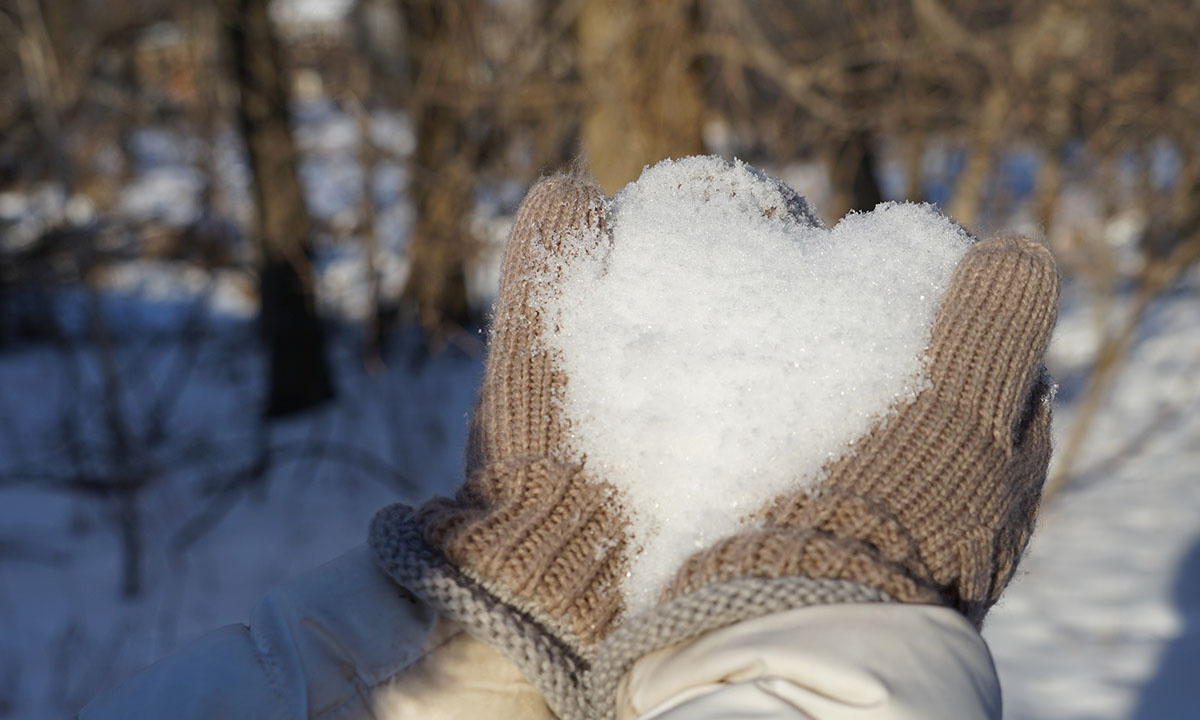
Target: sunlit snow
{"points": [[724, 347]]}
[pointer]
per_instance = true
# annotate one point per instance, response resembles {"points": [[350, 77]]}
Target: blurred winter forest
{"points": [[247, 247]]}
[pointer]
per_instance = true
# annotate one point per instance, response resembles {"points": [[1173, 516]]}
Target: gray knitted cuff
{"points": [[710, 608], [576, 687], [546, 661]]}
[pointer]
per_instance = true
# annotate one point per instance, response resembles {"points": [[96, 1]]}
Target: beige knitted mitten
{"points": [[528, 554]]}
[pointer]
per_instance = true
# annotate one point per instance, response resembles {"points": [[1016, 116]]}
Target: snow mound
{"points": [[725, 347]]}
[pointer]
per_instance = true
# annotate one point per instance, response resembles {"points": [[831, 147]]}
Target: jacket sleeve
{"points": [[836, 662], [342, 642]]}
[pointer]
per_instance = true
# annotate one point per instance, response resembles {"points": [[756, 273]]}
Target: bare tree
{"points": [[1139, 90], [298, 369], [442, 53]]}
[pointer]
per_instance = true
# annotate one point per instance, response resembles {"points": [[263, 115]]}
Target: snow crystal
{"points": [[725, 347]]}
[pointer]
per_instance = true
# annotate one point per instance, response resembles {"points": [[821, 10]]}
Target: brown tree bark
{"points": [[987, 138], [298, 373], [645, 99], [440, 51], [855, 186]]}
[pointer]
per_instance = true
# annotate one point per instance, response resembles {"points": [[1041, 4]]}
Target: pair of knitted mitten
{"points": [[933, 505]]}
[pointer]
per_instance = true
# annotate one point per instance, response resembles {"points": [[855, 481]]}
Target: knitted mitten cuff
{"points": [[808, 553], [553, 667]]}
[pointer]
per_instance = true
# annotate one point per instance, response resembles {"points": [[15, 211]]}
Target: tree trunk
{"points": [[645, 99], [990, 126], [440, 56], [368, 157], [853, 177], [298, 373]]}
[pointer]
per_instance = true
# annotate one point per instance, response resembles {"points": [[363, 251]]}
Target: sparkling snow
{"points": [[724, 348]]}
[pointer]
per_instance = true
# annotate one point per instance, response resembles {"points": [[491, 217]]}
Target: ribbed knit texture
{"points": [[937, 502]]}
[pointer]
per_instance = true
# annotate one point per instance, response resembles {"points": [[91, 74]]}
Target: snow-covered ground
{"points": [[210, 548], [1103, 620]]}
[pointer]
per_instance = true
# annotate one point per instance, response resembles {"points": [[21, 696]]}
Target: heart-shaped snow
{"points": [[725, 347]]}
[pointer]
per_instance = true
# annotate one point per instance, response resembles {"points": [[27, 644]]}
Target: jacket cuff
{"points": [[834, 662], [709, 608]]}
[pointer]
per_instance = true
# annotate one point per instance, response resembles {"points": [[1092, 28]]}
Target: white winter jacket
{"points": [[346, 642]]}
